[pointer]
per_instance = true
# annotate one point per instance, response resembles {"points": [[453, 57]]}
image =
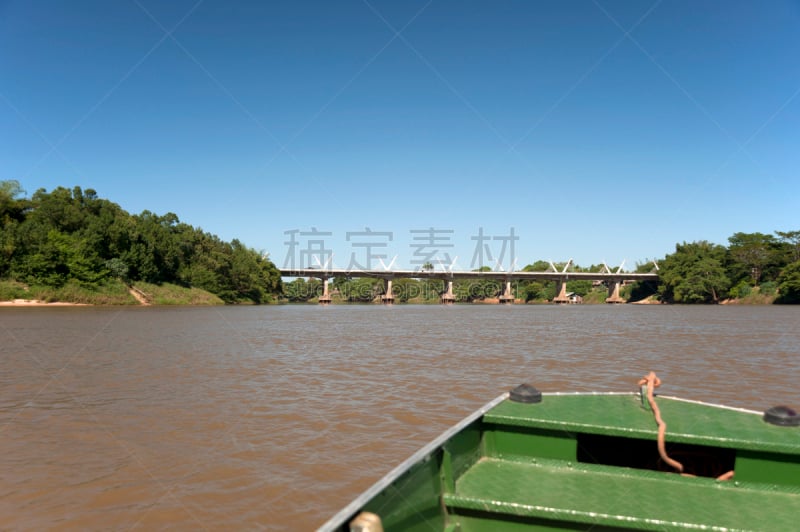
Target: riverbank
{"points": [[110, 293], [39, 303], [117, 293]]}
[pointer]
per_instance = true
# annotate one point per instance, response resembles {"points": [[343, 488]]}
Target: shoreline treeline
{"points": [[74, 238], [702, 272], [68, 237]]}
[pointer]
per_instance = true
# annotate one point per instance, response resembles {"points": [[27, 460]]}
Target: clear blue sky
{"points": [[597, 130]]}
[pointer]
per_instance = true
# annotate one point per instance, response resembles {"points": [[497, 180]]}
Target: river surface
{"points": [[274, 417]]}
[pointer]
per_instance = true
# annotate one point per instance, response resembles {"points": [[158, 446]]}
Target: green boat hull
{"points": [[590, 461]]}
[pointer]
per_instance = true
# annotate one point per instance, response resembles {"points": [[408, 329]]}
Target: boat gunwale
{"points": [[716, 405], [425, 452], [659, 396]]}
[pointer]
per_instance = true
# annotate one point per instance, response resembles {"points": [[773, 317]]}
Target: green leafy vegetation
{"points": [[789, 283], [300, 290], [359, 289], [108, 292], [695, 273], [172, 294], [70, 245], [754, 268]]}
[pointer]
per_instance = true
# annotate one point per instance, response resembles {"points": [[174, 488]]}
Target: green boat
{"points": [[605, 461]]}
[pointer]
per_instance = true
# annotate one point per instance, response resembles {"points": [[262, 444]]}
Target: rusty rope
{"points": [[652, 383]]}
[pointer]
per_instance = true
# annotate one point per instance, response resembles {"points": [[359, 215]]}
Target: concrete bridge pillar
{"points": [[325, 298], [561, 292], [508, 296], [448, 298], [613, 293], [388, 297]]}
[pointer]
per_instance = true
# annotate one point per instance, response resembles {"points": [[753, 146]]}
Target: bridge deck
{"points": [[448, 275]]}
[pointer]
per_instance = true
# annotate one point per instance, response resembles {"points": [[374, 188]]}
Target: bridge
{"points": [[612, 279]]}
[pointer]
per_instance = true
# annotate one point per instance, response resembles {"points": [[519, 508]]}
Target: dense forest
{"points": [[71, 242], [73, 238], [702, 272]]}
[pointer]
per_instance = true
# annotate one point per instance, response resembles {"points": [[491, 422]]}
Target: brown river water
{"points": [[273, 418]]}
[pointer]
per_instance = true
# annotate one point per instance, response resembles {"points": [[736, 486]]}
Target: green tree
{"points": [[537, 290], [476, 289], [251, 277], [7, 245], [751, 253], [694, 274], [404, 289], [117, 268], [643, 289], [11, 214], [428, 290], [301, 290], [538, 266], [364, 289], [61, 257], [359, 289], [789, 283], [11, 207], [792, 240], [580, 287]]}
